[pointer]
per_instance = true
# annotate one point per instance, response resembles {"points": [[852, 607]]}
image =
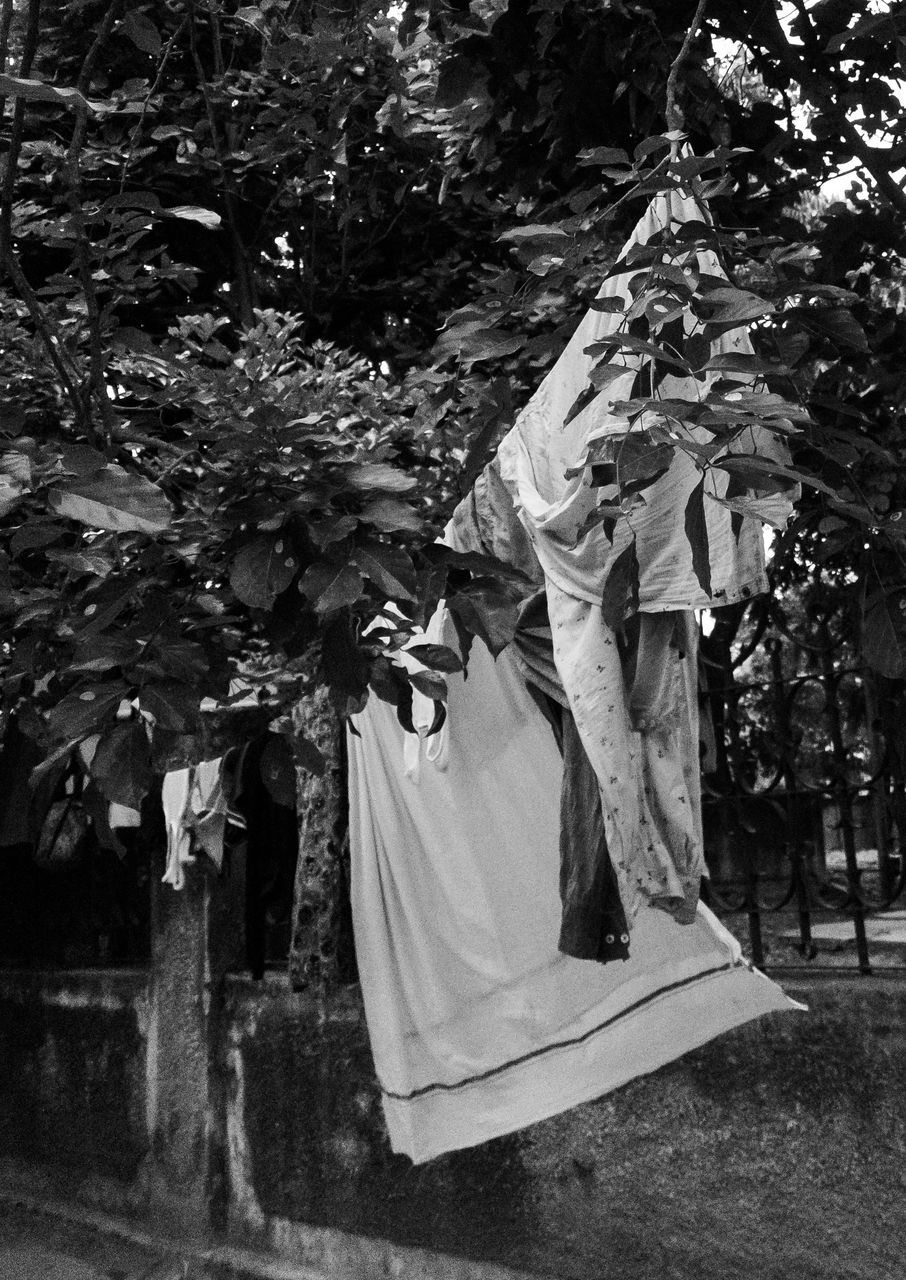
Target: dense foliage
{"points": [[276, 277]]}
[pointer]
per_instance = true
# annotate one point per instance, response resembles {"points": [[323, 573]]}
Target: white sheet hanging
{"points": [[477, 1023]]}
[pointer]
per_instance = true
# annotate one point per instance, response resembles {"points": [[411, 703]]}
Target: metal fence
{"points": [[803, 797]]}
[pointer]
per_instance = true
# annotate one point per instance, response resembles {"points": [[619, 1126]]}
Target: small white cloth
{"points": [[175, 799]]}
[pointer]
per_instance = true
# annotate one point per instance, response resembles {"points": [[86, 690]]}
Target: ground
{"points": [[38, 1247]]}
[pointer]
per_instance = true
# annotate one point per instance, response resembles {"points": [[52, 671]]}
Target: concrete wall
{"points": [[274, 1135], [745, 1118], [73, 1056]]}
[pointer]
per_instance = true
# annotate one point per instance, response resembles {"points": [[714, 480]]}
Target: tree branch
{"points": [[68, 377], [245, 287], [823, 89], [673, 112], [29, 47], [9, 263], [97, 383]]}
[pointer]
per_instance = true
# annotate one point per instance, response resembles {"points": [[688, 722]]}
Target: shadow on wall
{"points": [[724, 1139]]}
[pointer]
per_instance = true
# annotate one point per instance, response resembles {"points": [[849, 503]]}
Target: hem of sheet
{"points": [[638, 1041]]}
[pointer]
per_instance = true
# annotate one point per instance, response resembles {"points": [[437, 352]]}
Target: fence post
{"points": [[878, 784], [841, 791]]}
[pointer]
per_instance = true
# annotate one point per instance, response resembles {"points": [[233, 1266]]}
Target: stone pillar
{"points": [[195, 940]]}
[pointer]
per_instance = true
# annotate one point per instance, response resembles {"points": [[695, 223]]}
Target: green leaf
{"points": [[609, 305], [139, 28], [437, 656], [121, 765], [390, 568], [79, 714], [628, 342], [331, 586], [741, 362], [308, 756], [114, 499], [604, 156], [881, 646], [174, 705], [535, 232], [82, 459], [380, 476], [101, 653], [277, 767], [459, 77], [430, 684], [697, 534], [726, 304], [840, 326], [389, 515], [620, 597], [40, 91], [602, 375], [488, 614], [262, 570], [768, 476], [15, 479], [585, 398], [640, 462], [192, 213]]}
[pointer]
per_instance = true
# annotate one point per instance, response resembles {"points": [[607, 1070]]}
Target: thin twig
{"points": [[69, 377], [824, 89], [29, 48], [9, 263], [673, 113], [245, 287], [97, 383], [6, 20], [135, 131]]}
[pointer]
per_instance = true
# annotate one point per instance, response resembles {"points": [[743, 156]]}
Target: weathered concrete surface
{"points": [[91, 1245], [73, 1069], [776, 1150], [175, 1176], [779, 1150]]}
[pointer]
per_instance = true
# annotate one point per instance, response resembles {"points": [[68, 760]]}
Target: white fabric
{"points": [[175, 798], [477, 1024], [120, 816], [539, 451], [195, 811]]}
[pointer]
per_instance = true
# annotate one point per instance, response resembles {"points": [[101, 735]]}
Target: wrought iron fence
{"points": [[803, 792]]}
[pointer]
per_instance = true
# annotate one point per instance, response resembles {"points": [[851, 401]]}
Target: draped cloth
{"points": [[479, 1023]]}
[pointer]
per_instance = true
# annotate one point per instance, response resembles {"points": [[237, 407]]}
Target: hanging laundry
{"points": [[474, 870], [196, 815], [123, 817], [175, 798]]}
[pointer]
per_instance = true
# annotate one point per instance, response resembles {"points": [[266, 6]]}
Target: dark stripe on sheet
{"points": [[563, 1044]]}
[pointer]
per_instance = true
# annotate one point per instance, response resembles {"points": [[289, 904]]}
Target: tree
{"points": [[228, 236]]}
